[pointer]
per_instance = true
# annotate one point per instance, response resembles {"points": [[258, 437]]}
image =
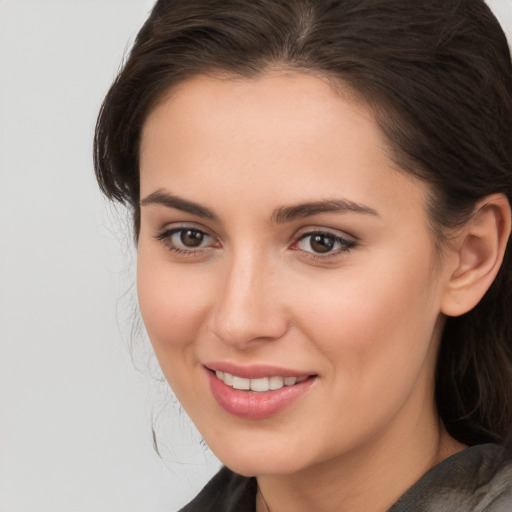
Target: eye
{"points": [[186, 240], [323, 243], [190, 238]]}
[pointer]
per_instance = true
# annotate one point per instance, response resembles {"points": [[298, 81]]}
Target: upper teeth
{"points": [[263, 384]]}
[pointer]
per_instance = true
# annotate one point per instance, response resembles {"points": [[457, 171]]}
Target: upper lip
{"points": [[255, 371]]}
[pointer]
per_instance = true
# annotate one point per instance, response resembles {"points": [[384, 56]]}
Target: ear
{"points": [[479, 249]]}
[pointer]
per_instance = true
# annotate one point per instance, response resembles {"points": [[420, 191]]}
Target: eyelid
{"points": [[312, 230], [165, 237], [177, 226], [347, 242]]}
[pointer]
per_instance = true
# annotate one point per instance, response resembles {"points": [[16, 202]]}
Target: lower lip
{"points": [[255, 405]]}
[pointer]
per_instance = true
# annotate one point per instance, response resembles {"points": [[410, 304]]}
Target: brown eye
{"points": [[320, 243], [191, 237], [186, 240]]}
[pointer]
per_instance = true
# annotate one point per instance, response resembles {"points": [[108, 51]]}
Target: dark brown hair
{"points": [[438, 76]]}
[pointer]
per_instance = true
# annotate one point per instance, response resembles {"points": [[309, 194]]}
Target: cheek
{"points": [[172, 303], [374, 323]]}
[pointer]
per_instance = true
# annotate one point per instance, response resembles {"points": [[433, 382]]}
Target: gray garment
{"points": [[477, 479]]}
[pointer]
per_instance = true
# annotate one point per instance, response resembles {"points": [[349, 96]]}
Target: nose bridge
{"points": [[248, 307]]}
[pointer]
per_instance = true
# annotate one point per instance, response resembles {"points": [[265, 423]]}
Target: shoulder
{"points": [[476, 479], [226, 492]]}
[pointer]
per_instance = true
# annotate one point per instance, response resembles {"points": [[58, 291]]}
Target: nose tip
{"points": [[249, 310], [237, 331]]}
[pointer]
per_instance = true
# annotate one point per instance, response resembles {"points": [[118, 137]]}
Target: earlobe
{"points": [[480, 250]]}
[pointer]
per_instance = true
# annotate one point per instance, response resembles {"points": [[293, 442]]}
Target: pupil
{"points": [[191, 238], [322, 243]]}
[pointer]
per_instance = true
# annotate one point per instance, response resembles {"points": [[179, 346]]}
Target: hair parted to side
{"points": [[438, 76]]}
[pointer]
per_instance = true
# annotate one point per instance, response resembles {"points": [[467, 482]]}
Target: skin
{"points": [[364, 318]]}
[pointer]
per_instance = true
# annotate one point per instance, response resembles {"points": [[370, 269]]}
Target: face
{"points": [[287, 276]]}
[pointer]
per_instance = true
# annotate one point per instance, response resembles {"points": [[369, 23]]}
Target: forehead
{"points": [[292, 133], [257, 108]]}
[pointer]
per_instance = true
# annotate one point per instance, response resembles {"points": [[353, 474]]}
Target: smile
{"points": [[260, 392], [259, 385]]}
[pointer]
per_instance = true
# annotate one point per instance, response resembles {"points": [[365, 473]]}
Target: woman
{"points": [[321, 196]]}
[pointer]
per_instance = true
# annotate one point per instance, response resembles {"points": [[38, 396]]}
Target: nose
{"points": [[249, 307]]}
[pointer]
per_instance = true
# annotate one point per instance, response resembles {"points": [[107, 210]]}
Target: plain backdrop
{"points": [[75, 416]]}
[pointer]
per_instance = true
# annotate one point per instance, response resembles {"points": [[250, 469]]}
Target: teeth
{"points": [[259, 385], [241, 383], [275, 382]]}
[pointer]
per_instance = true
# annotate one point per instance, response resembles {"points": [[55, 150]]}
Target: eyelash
{"points": [[166, 238], [345, 244]]}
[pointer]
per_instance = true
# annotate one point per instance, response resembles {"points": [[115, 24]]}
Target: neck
{"points": [[370, 478]]}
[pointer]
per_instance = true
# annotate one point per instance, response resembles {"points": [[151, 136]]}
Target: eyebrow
{"points": [[281, 215], [163, 199], [289, 213]]}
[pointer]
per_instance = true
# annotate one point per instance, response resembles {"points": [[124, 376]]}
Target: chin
{"points": [[260, 468], [258, 460]]}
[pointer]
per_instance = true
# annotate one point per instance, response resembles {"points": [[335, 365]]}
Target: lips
{"points": [[256, 392]]}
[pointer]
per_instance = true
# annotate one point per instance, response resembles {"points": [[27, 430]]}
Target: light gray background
{"points": [[75, 416]]}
